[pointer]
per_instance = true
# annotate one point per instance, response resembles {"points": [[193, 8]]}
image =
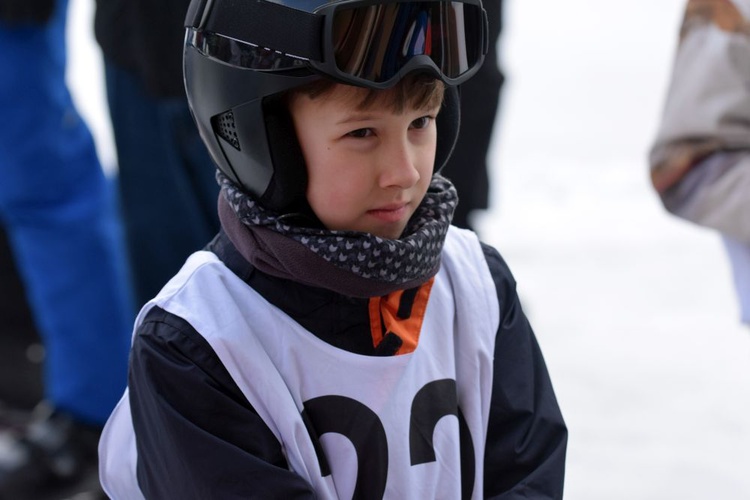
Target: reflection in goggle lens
{"points": [[373, 43]]}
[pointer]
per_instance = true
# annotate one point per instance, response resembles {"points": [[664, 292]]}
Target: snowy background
{"points": [[634, 309]]}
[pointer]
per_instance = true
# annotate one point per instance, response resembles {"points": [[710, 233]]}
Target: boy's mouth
{"points": [[394, 212]]}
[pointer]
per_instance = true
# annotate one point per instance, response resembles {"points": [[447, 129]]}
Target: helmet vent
{"points": [[223, 125]]}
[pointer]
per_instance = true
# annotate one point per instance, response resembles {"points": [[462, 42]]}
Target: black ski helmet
{"points": [[241, 56]]}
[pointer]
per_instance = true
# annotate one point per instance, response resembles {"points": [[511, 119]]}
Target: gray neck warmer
{"points": [[348, 262]]}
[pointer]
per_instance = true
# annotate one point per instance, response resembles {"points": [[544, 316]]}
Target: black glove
{"points": [[22, 11]]}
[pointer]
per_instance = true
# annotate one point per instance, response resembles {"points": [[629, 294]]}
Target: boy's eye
{"points": [[360, 133], [421, 122]]}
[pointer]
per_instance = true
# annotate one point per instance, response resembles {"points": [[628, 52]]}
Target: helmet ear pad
{"points": [[288, 185], [286, 192], [448, 123]]}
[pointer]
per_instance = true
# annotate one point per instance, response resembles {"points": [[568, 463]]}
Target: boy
{"points": [[315, 347]]}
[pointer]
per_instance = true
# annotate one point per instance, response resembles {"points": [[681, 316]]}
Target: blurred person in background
{"points": [[480, 96], [166, 177], [700, 162], [57, 209]]}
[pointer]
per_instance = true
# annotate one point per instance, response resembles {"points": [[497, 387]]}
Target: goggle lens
{"points": [[375, 42]]}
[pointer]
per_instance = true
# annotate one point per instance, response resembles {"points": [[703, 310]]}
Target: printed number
{"points": [[359, 424], [363, 428]]}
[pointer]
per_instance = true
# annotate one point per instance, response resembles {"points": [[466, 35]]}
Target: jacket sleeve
{"points": [[17, 12], [197, 436], [527, 437], [700, 161]]}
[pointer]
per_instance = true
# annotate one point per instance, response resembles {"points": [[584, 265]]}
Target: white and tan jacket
{"points": [[700, 162]]}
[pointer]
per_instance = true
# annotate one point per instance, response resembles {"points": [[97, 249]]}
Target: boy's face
{"points": [[368, 170]]}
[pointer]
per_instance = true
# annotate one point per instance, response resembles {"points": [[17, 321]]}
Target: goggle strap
{"points": [[254, 20]]}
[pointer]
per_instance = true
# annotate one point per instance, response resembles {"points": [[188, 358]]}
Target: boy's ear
{"points": [[448, 123]]}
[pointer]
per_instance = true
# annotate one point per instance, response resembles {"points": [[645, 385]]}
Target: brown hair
{"points": [[418, 91]]}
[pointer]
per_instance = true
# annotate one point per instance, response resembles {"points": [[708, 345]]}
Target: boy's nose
{"points": [[398, 166]]}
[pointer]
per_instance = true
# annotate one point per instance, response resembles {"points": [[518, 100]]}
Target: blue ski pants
{"points": [[58, 210]]}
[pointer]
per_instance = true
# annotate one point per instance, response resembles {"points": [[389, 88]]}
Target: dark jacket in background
{"points": [[145, 37], [468, 167]]}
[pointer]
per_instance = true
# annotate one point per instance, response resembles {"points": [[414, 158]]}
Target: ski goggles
{"points": [[371, 43]]}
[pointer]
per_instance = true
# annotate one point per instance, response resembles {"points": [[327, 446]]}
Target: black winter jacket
{"points": [[177, 381], [145, 37]]}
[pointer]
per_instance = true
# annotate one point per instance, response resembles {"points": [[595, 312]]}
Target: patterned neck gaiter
{"points": [[348, 262]]}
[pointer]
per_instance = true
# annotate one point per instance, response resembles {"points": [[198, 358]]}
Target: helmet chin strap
{"points": [[286, 192]]}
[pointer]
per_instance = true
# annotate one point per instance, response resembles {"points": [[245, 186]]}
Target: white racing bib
{"points": [[353, 426]]}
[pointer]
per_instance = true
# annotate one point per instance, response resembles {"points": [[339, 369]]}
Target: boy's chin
{"points": [[386, 231], [389, 233]]}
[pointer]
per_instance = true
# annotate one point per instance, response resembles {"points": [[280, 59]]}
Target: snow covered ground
{"points": [[634, 309]]}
